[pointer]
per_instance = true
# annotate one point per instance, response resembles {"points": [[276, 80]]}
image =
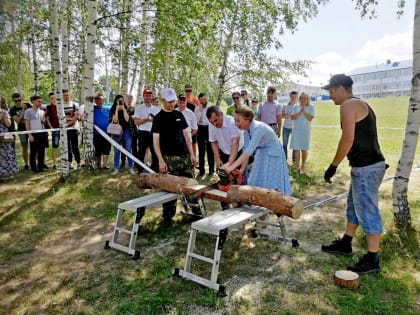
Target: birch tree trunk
{"points": [[64, 169], [65, 43], [402, 217], [34, 56], [87, 91], [145, 29]]}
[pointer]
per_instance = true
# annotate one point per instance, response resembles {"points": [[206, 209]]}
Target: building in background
{"points": [[392, 78]]}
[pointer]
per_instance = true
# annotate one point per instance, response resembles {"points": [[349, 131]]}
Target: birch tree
{"points": [[55, 47], [88, 91], [401, 206]]}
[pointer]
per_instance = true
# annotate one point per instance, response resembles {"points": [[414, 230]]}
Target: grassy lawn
{"points": [[52, 235]]}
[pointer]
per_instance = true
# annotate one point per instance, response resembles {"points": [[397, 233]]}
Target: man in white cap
{"points": [[172, 145]]}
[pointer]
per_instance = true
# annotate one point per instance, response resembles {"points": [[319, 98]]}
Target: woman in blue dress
{"points": [[269, 169], [302, 115]]}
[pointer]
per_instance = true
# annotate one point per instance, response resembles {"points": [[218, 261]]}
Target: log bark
{"points": [[267, 198], [171, 183]]}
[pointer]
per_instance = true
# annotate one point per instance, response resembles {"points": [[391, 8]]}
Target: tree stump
{"points": [[346, 279]]}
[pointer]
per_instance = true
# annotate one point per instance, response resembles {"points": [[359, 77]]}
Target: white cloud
{"points": [[391, 46]]}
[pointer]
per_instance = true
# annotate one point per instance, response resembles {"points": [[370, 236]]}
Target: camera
{"points": [[120, 103]]}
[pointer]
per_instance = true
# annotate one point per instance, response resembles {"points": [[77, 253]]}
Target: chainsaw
{"points": [[226, 180]]}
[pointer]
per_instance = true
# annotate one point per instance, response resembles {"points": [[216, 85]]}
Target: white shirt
{"points": [[35, 118], [288, 121], [191, 120], [144, 111], [224, 135], [200, 114]]}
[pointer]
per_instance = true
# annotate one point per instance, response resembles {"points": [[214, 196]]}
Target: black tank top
{"points": [[365, 150]]}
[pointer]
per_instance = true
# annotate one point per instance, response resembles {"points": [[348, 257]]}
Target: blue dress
{"points": [[269, 169], [301, 133]]}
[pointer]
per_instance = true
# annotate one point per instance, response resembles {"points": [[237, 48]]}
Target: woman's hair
{"points": [[304, 95], [114, 104], [245, 112]]}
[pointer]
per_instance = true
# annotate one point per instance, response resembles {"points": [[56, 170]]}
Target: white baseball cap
{"points": [[169, 94]]}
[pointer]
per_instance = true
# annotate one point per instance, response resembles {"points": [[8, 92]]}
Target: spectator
{"points": [[192, 102], [302, 114], [38, 141], [236, 97], [254, 106], [269, 169], [128, 100], [100, 119], [118, 115], [71, 110], [244, 97], [172, 145], [51, 119], [188, 115], [288, 121], [17, 112], [143, 118], [269, 112], [204, 146], [8, 164]]}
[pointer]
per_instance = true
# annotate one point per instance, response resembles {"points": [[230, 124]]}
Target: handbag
{"points": [[5, 139], [114, 129]]}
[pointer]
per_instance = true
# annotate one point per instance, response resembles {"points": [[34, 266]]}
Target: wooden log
{"points": [[346, 279], [267, 198], [167, 182]]}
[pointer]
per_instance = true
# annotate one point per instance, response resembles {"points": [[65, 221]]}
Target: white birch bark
{"points": [[64, 43], [402, 215], [64, 168], [146, 22], [34, 56], [125, 45], [87, 91]]}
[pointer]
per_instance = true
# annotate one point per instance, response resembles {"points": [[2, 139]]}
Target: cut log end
{"points": [[346, 279]]}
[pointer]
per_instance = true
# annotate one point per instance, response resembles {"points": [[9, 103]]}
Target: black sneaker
{"points": [[26, 167], [365, 265], [339, 246]]}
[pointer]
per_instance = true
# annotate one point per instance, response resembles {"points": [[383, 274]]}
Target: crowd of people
{"points": [[166, 138]]}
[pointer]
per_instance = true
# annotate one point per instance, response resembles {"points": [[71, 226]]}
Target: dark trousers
{"points": [[145, 140], [204, 145], [73, 145], [37, 151], [225, 158]]}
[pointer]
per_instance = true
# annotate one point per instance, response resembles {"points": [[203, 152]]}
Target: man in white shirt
{"points": [[204, 145], [226, 139], [143, 118], [34, 120], [188, 115]]}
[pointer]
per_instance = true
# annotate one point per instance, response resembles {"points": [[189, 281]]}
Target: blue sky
{"points": [[339, 40]]}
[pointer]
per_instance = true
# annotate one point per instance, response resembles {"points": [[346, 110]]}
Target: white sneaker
{"points": [[131, 171], [115, 172]]}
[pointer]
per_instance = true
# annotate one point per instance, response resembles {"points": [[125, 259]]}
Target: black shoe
{"points": [[45, 167], [26, 167], [339, 246], [365, 265]]}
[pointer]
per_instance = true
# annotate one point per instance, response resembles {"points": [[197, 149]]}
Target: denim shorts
{"points": [[362, 201], [23, 139], [55, 139]]}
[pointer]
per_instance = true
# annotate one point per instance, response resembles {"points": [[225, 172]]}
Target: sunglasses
{"points": [[254, 101], [235, 98], [19, 100]]}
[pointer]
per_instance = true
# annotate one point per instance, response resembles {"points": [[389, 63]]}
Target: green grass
{"points": [[52, 235]]}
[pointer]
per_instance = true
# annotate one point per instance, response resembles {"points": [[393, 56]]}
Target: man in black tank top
{"points": [[359, 142]]}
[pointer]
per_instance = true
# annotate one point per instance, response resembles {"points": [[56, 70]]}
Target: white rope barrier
{"points": [[36, 131], [119, 147]]}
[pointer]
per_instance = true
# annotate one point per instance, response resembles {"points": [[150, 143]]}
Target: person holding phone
{"points": [[118, 115]]}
